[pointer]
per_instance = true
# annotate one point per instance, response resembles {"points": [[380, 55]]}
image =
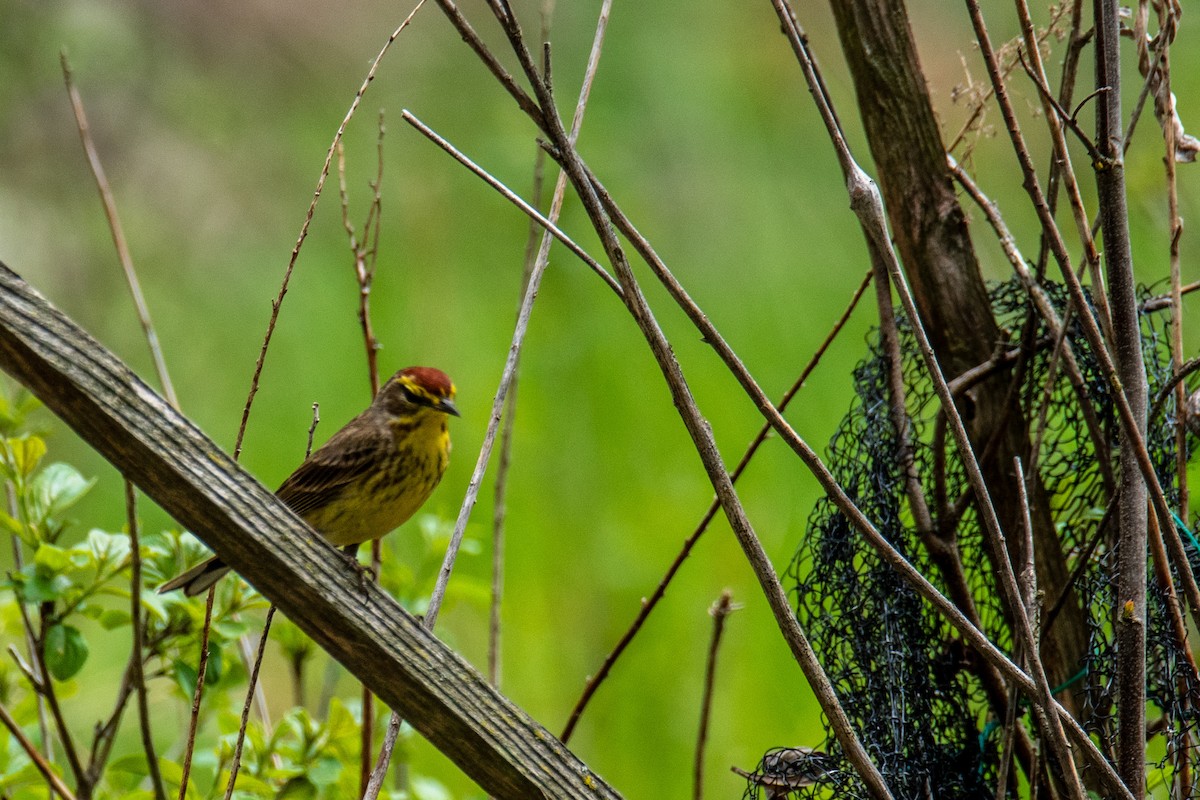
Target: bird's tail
{"points": [[197, 579]]}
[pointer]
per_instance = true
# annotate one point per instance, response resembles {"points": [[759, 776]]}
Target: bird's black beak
{"points": [[447, 406]]}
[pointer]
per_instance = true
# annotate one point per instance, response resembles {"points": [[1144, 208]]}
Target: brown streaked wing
{"points": [[352, 452]]}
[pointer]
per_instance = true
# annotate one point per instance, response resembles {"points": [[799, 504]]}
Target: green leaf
{"points": [[66, 651], [108, 548], [51, 560], [424, 788], [326, 771], [11, 525], [185, 677], [24, 454], [112, 618], [58, 487], [35, 587], [298, 788]]}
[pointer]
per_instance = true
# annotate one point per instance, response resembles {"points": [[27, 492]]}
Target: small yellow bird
{"points": [[372, 475]]}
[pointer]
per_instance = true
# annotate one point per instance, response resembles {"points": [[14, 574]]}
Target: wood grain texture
{"points": [[439, 693]]}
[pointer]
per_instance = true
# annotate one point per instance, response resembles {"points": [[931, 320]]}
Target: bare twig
{"points": [[1057, 326], [365, 255], [31, 649], [1129, 422], [312, 207], [513, 198], [43, 766], [45, 685], [720, 611], [867, 205], [194, 717], [649, 604], [137, 662], [1064, 171], [601, 212], [118, 234], [533, 282], [1132, 552], [241, 736]]}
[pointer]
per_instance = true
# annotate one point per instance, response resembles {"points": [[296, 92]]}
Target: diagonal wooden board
{"points": [[173, 462]]}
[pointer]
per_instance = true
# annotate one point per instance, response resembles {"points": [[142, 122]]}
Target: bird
{"points": [[371, 476]]}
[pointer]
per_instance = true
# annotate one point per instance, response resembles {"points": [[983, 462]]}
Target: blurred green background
{"points": [[213, 120]]}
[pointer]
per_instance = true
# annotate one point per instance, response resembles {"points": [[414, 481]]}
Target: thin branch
{"points": [[513, 198], [45, 685], [867, 205], [137, 662], [1095, 338], [27, 628], [720, 610], [39, 761], [1057, 326], [1064, 171], [241, 734], [194, 718], [697, 427], [532, 284], [364, 259], [502, 75], [118, 234], [312, 207], [649, 604]]}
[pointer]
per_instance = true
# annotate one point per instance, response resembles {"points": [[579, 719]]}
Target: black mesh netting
{"points": [[906, 682]]}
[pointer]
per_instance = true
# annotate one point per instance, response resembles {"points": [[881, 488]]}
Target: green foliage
{"points": [[68, 591]]}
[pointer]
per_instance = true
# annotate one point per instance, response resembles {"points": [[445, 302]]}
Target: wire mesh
{"points": [[910, 687]]}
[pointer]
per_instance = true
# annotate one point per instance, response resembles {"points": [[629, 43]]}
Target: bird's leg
{"points": [[366, 572]]}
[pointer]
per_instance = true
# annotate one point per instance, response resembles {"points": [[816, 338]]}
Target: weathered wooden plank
{"points": [[185, 472]]}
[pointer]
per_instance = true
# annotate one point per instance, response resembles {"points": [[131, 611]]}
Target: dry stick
{"points": [[45, 685], [364, 257], [1090, 328], [312, 207], [720, 611], [1047, 719], [245, 720], [43, 766], [27, 627], [531, 290], [500, 490], [801, 649], [1162, 301], [868, 206], [1045, 307], [506, 378], [648, 605], [1181, 460], [160, 366], [513, 198], [1065, 170], [118, 234], [194, 717], [697, 427], [1182, 754], [135, 621], [1132, 553]]}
